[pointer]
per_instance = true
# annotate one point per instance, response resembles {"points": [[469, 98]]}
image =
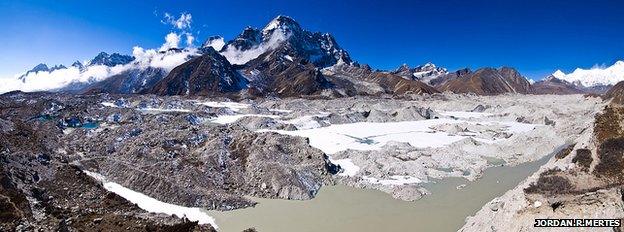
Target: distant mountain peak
{"points": [[111, 60], [595, 76], [424, 73], [41, 68], [77, 64], [558, 74]]}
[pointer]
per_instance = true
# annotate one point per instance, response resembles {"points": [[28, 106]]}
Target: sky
{"points": [[536, 37]]}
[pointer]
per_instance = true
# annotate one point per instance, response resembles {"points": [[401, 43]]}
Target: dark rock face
{"points": [[249, 38], [362, 80], [271, 74], [111, 60], [489, 81], [443, 79], [553, 85], [616, 93], [130, 81], [209, 74], [322, 50]]}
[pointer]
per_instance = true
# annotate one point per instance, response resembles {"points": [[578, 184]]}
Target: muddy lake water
{"points": [[344, 208]]}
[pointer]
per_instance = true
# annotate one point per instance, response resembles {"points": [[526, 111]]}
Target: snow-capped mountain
{"points": [[597, 76], [103, 58], [281, 59], [424, 73], [285, 60], [321, 49]]}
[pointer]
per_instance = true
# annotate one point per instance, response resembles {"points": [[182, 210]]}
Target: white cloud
{"points": [[172, 40], [159, 59], [189, 39], [217, 44], [236, 56], [181, 23], [60, 78], [144, 58]]}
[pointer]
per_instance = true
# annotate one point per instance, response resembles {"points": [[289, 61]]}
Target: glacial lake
{"points": [[344, 208]]}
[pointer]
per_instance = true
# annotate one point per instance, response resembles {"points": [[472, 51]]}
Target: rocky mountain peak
{"points": [[423, 72], [248, 39], [284, 37], [39, 67], [429, 65], [77, 64], [42, 68], [111, 60], [284, 24], [403, 67]]}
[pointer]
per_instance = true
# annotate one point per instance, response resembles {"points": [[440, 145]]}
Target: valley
{"points": [[281, 129]]}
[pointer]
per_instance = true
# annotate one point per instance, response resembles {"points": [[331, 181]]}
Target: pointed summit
{"points": [[284, 23], [78, 65], [425, 72], [558, 74], [403, 67], [40, 67], [284, 37]]}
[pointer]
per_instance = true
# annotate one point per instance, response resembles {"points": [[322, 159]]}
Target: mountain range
{"points": [[283, 59]]}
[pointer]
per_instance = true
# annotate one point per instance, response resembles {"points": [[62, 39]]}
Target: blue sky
{"points": [[537, 37]]}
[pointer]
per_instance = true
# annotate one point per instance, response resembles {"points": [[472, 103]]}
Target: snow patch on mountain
{"points": [[152, 205], [596, 76]]}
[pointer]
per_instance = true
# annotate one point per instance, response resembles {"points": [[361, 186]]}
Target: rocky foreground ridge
{"points": [[582, 181]]}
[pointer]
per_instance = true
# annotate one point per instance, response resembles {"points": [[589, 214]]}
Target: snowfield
{"points": [[372, 136], [227, 119], [234, 106]]}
